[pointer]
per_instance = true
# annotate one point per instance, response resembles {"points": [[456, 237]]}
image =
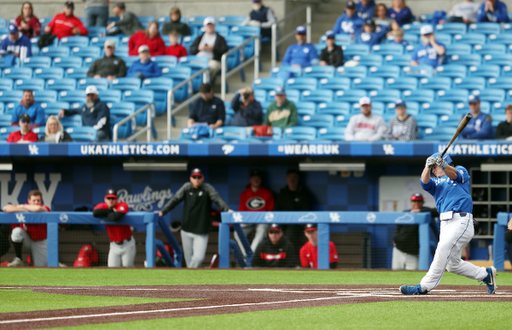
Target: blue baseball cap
{"points": [[474, 98], [280, 91], [400, 103], [330, 34], [369, 22], [13, 28], [301, 29], [350, 5]]}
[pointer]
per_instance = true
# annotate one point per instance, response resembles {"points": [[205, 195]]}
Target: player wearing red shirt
{"points": [[29, 236], [66, 24], [309, 251], [24, 135], [122, 245]]}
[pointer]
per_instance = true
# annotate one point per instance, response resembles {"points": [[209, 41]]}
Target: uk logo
{"points": [[237, 217], [388, 149], [20, 217], [63, 217], [335, 217], [33, 149]]}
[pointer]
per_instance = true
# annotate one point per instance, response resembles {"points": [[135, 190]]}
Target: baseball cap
{"points": [[426, 29], [417, 197], [196, 172], [369, 22], [143, 48], [301, 29], [275, 227], [69, 4], [473, 98], [280, 91], [400, 103], [365, 100], [255, 172], [13, 28], [209, 20], [91, 90], [120, 5], [25, 117], [110, 43], [310, 227], [111, 193], [350, 5], [330, 34]]}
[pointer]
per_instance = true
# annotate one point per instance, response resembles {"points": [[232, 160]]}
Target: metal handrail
{"points": [[276, 42], [224, 66], [170, 96], [150, 108]]}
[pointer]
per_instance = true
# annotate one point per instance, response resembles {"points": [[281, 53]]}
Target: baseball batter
{"points": [[450, 189], [122, 244], [29, 236]]}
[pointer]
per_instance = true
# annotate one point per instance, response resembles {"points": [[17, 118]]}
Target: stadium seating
{"points": [[368, 84], [336, 83], [436, 83], [334, 108], [368, 60], [451, 28], [317, 121], [76, 73], [110, 95], [6, 84], [54, 51], [160, 87], [388, 49], [402, 83], [350, 96], [332, 134], [486, 28], [85, 133], [76, 41], [100, 83], [299, 133], [452, 70], [33, 84], [319, 72], [351, 72], [64, 84], [398, 60], [140, 98], [17, 73], [469, 83], [45, 96], [196, 63], [49, 73], [317, 96], [125, 84], [385, 71], [420, 71], [67, 62]]}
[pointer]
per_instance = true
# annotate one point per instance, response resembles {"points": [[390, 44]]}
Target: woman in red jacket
{"points": [[150, 37], [27, 23]]}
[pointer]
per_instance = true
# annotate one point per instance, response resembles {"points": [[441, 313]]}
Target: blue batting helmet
{"points": [[446, 157]]}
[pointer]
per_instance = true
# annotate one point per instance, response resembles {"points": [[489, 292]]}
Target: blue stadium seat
{"points": [[178, 74], [486, 71], [196, 63], [413, 108], [368, 84], [71, 121], [260, 95], [140, 98], [444, 38], [5, 131], [319, 72], [498, 118], [76, 73], [334, 108], [76, 41], [336, 83], [491, 95], [301, 83], [497, 108], [398, 60], [306, 108], [37, 62], [507, 71], [53, 108], [465, 59], [73, 97], [385, 71], [85, 133], [351, 72], [49, 73], [234, 58], [351, 95], [186, 134], [458, 49], [500, 83], [187, 41], [388, 49], [5, 120], [425, 120], [64, 84], [402, 83], [469, 83], [247, 32], [452, 70], [6, 84], [452, 120], [278, 71], [317, 96], [489, 49], [412, 28], [453, 95], [30, 83], [119, 111], [223, 30], [160, 87], [231, 20], [438, 108], [420, 71], [230, 133], [267, 84], [451, 28], [121, 50], [497, 58], [300, 133], [385, 95], [470, 39], [342, 120], [196, 22], [293, 95], [87, 62], [45, 96], [368, 60], [167, 61], [332, 134], [463, 107], [129, 60], [503, 39], [317, 121], [110, 95], [17, 73], [412, 39], [125, 84], [86, 51], [67, 62], [146, 19], [419, 95], [100, 83], [100, 41], [485, 28], [440, 134], [54, 51], [96, 31], [436, 83], [349, 51]]}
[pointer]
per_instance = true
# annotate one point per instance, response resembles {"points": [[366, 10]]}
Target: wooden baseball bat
{"points": [[463, 123]]}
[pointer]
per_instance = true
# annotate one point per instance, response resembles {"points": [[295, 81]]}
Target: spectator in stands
{"points": [[400, 13], [29, 236], [198, 197], [110, 66], [403, 127], [369, 36], [207, 109], [282, 112], [429, 52], [96, 12], [27, 22], [176, 25], [248, 111], [28, 106], [210, 44], [128, 22], [465, 11], [480, 126], [175, 49], [493, 11], [25, 134], [398, 39], [261, 16], [275, 250], [309, 251], [332, 54], [504, 129], [349, 22], [365, 9], [301, 54], [66, 24], [144, 67], [54, 131], [16, 44], [365, 126], [382, 19], [95, 113], [151, 38]]}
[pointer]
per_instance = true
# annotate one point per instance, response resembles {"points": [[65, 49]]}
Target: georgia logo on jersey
{"points": [[255, 203]]}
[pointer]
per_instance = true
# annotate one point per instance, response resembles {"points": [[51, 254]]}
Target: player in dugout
{"points": [[309, 252], [275, 250]]}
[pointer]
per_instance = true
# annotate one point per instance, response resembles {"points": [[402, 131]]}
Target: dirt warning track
{"points": [[224, 299]]}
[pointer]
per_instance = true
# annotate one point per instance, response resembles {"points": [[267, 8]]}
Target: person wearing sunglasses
{"points": [[275, 250], [25, 134], [480, 126], [198, 197]]}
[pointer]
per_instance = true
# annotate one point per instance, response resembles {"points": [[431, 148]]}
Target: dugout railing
{"points": [[325, 222], [498, 246]]}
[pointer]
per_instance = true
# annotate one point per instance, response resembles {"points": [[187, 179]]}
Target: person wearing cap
{"points": [[16, 44], [400, 13], [365, 126], [96, 12], [275, 251], [66, 24], [248, 111], [210, 44], [493, 11], [480, 126], [110, 66], [95, 113], [150, 37], [144, 67], [128, 22], [207, 109], [429, 52], [370, 35], [301, 54], [175, 49], [403, 127], [25, 134], [282, 112], [349, 22], [122, 244], [365, 8], [175, 24], [398, 38], [406, 242], [332, 54], [27, 22], [261, 16], [197, 197], [504, 130], [30, 107], [309, 251]]}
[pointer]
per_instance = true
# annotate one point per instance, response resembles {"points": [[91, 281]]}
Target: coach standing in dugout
{"points": [[198, 197]]}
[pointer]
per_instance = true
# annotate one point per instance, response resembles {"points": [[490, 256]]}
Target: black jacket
{"points": [[128, 25], [181, 28], [269, 255], [504, 130], [65, 137], [334, 57], [406, 237], [288, 200], [219, 48], [246, 115], [108, 66], [197, 208], [97, 116]]}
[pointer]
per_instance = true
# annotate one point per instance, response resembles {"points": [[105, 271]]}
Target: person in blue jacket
{"points": [[480, 126], [144, 67], [492, 11], [429, 52], [365, 8], [400, 13], [370, 36], [300, 54], [29, 106], [349, 22], [16, 43]]}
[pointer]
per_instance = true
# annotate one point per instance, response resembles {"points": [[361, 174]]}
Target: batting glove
{"points": [[431, 161], [441, 162]]}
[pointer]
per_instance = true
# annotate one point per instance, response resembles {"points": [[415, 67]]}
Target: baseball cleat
{"points": [[17, 262], [412, 289], [490, 280]]}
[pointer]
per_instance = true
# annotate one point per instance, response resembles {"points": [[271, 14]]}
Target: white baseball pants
{"points": [[455, 233], [39, 249], [402, 260], [122, 255], [194, 248]]}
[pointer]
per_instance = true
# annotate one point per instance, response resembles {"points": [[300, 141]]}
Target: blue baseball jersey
{"points": [[347, 25], [427, 55], [300, 54], [451, 195]]}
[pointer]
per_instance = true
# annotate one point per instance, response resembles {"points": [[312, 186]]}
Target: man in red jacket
{"points": [[25, 134], [66, 24], [309, 251]]}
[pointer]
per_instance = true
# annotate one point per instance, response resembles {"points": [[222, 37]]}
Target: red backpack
{"points": [[86, 257]]}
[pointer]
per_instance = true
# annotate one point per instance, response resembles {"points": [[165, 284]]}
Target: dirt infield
{"points": [[224, 299]]}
